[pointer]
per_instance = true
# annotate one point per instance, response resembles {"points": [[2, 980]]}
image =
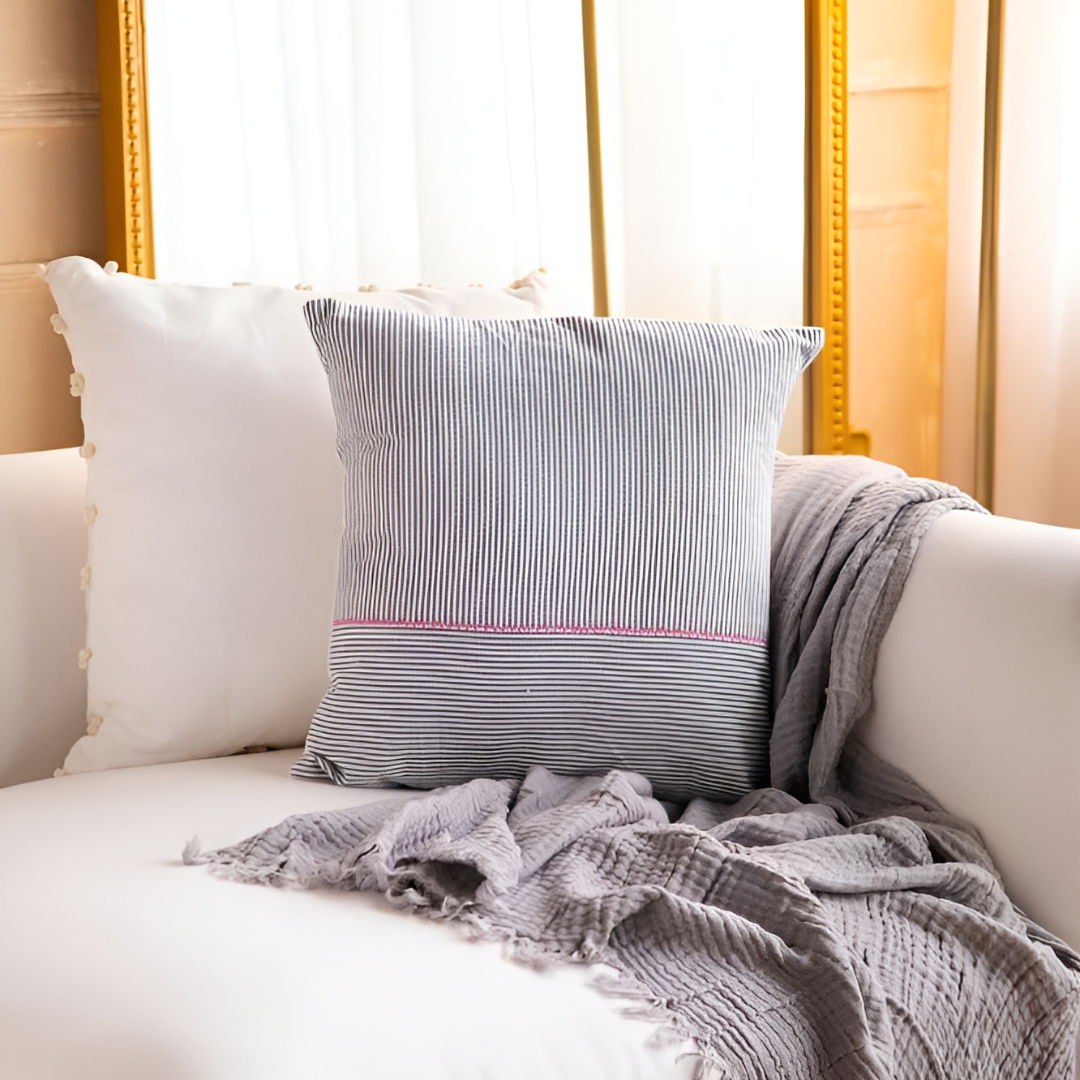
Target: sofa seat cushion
{"points": [[117, 961]]}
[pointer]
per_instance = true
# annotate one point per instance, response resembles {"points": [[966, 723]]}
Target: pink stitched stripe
{"points": [[487, 628]]}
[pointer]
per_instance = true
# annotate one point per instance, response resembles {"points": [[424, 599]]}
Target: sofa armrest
{"points": [[42, 615], [977, 696]]}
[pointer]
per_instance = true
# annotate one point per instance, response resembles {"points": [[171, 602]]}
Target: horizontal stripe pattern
{"points": [[540, 480], [618, 631], [430, 708]]}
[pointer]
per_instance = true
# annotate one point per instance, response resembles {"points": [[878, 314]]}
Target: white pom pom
{"points": [[111, 268], [84, 658], [58, 324], [78, 384]]}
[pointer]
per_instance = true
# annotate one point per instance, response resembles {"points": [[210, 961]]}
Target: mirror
{"points": [[682, 160]]}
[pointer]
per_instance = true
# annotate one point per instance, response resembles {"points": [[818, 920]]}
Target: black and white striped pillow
{"points": [[556, 548]]}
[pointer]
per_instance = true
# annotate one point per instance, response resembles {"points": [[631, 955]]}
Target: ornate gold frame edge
{"points": [[125, 142], [826, 295], [129, 207]]}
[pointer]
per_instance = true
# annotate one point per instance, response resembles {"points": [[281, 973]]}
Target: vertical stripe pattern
{"points": [[584, 499]]}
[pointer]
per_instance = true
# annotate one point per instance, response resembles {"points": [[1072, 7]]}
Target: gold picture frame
{"points": [[125, 137], [826, 428], [129, 206]]}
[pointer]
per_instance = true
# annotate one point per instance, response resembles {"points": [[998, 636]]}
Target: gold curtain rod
{"points": [[601, 303], [986, 349]]}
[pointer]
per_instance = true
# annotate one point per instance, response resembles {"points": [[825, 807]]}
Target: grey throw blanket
{"points": [[839, 924]]}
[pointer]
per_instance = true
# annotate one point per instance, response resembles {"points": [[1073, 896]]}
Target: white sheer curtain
{"points": [[1038, 419], [703, 115], [346, 142]]}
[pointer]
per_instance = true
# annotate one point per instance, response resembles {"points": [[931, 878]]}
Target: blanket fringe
{"points": [[642, 1004], [240, 872], [638, 1002]]}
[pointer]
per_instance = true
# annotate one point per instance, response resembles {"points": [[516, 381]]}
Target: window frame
{"points": [[129, 231]]}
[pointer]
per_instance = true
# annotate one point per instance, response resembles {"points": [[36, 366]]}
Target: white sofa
{"points": [[118, 962]]}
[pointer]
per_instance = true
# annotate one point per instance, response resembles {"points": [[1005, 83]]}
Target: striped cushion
{"points": [[556, 548]]}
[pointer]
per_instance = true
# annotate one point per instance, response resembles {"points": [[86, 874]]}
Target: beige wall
{"points": [[900, 55], [50, 205]]}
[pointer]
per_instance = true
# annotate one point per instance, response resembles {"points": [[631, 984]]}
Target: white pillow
{"points": [[214, 505]]}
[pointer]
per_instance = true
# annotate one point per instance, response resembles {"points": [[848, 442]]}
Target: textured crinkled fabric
{"points": [[864, 934]]}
